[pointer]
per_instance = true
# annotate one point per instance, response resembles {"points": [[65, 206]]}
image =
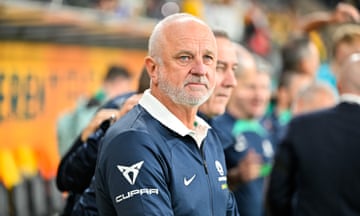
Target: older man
{"points": [[160, 158], [227, 65], [248, 150]]}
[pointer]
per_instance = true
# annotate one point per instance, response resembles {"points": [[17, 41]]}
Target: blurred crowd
{"points": [[262, 26], [297, 47]]}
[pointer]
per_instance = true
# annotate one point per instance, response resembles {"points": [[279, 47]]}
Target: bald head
{"points": [[317, 95], [246, 60], [349, 76], [170, 25]]}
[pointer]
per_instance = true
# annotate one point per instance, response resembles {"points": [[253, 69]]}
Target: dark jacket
{"points": [[77, 167], [158, 172], [86, 204], [317, 166]]}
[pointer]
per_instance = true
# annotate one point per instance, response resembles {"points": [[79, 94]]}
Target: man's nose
{"points": [[198, 67]]}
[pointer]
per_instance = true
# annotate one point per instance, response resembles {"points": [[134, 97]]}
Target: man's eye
{"points": [[208, 59], [220, 68], [235, 68], [184, 58]]}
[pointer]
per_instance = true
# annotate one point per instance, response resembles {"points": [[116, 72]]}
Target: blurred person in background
{"points": [[318, 95], [320, 25], [153, 8], [301, 55], [226, 66], [109, 6], [77, 166], [316, 167], [161, 168], [299, 94], [246, 145], [342, 12], [117, 80], [118, 9], [258, 36], [279, 112], [345, 40]]}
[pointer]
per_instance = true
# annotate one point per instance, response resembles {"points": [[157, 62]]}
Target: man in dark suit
{"points": [[317, 166]]}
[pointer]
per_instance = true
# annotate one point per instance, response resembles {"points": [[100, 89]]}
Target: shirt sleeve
{"points": [[131, 175], [77, 167], [86, 204]]}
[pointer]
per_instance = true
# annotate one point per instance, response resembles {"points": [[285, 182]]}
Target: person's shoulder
{"points": [[348, 107], [314, 117], [225, 120], [224, 117], [132, 125], [64, 118], [117, 101], [135, 132], [137, 120]]}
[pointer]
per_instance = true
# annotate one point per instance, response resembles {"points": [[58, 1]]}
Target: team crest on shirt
{"points": [[222, 176], [219, 168], [241, 143]]}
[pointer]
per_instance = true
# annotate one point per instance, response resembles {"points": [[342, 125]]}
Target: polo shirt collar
{"points": [[157, 110], [350, 98]]}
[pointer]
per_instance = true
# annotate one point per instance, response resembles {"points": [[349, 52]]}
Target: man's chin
{"points": [[216, 111], [223, 100]]}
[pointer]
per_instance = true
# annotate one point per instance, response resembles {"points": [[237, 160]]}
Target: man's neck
{"points": [[186, 114]]}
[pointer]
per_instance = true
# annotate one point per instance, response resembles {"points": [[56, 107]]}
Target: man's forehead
{"points": [[188, 28], [193, 43]]}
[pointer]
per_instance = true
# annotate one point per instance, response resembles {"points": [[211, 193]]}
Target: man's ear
{"points": [[152, 69]]}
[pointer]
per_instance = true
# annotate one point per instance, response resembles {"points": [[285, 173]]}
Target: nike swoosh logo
{"points": [[188, 181]]}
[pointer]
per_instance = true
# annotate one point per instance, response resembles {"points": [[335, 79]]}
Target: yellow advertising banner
{"points": [[38, 82]]}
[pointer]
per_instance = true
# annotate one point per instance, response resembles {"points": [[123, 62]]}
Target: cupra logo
{"points": [[128, 170]]}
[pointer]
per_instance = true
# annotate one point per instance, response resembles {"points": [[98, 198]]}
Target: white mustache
{"points": [[197, 79]]}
